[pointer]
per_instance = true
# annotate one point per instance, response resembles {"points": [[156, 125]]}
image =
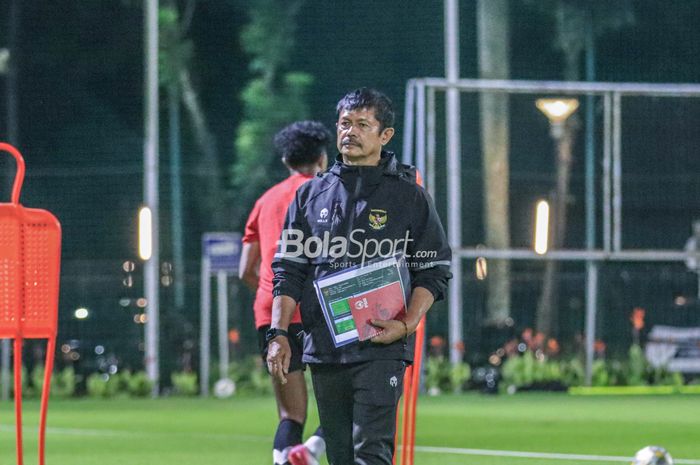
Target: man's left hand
{"points": [[392, 330]]}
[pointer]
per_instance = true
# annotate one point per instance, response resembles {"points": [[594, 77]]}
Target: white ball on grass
{"points": [[652, 455], [224, 388]]}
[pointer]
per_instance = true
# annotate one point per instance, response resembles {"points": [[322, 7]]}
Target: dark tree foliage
{"points": [[273, 98]]}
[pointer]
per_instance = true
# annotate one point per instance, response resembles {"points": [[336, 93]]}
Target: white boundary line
{"points": [[29, 430], [422, 449], [536, 455]]}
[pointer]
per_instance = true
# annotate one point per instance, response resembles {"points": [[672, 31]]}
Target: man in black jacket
{"points": [[367, 205]]}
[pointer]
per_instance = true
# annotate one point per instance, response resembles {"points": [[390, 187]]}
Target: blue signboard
{"points": [[223, 251]]}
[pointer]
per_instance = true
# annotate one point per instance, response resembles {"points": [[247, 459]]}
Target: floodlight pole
{"points": [[454, 173], [10, 72], [150, 188], [591, 265], [176, 196]]}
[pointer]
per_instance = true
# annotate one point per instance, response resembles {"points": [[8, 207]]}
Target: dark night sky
{"points": [[81, 80], [80, 94]]}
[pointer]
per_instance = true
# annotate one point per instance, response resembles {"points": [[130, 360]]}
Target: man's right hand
{"points": [[279, 354]]}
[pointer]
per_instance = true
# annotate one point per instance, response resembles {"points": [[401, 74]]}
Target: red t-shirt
{"points": [[265, 225]]}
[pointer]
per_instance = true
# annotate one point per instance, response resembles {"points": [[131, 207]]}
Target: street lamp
{"points": [[557, 110]]}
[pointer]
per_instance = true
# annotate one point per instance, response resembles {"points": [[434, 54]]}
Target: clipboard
{"points": [[349, 299]]}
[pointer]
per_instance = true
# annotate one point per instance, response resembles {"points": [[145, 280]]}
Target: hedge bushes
{"points": [[527, 370], [530, 371], [441, 376]]}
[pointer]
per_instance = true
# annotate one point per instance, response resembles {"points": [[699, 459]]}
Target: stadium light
{"points": [[541, 227], [81, 313], [145, 233]]}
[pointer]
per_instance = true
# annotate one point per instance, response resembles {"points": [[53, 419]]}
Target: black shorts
{"points": [[296, 342]]}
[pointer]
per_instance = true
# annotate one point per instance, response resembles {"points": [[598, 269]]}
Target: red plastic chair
{"points": [[30, 257]]}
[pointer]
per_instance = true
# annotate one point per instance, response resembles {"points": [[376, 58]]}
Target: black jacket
{"points": [[363, 203]]}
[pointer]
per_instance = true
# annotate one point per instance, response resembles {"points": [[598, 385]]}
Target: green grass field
{"points": [[451, 430]]}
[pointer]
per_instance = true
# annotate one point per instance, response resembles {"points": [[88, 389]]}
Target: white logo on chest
{"points": [[323, 216]]}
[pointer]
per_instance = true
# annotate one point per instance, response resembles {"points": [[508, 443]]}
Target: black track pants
{"points": [[357, 406]]}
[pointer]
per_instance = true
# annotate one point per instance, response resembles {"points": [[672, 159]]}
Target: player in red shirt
{"points": [[302, 146]]}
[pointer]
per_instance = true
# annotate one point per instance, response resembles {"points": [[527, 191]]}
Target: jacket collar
{"points": [[388, 165]]}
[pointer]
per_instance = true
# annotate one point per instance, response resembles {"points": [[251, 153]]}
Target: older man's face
{"points": [[360, 139]]}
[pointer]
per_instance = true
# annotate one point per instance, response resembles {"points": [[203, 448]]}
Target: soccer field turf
{"points": [[469, 429]]}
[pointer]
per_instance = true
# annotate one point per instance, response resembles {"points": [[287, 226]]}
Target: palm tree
{"points": [[494, 56]]}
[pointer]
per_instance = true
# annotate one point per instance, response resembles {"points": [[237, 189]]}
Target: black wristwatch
{"points": [[272, 333]]}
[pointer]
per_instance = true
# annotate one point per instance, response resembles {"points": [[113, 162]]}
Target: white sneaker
{"points": [[300, 455]]}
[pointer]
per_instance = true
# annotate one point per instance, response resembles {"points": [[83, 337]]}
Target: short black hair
{"points": [[365, 97], [302, 143]]}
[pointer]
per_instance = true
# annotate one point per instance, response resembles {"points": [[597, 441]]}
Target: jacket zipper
{"points": [[353, 205]]}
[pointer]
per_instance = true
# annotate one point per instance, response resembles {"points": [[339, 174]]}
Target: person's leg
{"points": [[333, 392], [291, 407], [291, 399], [378, 387], [316, 444], [310, 452]]}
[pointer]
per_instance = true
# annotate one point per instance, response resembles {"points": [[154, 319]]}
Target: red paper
{"points": [[385, 303]]}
